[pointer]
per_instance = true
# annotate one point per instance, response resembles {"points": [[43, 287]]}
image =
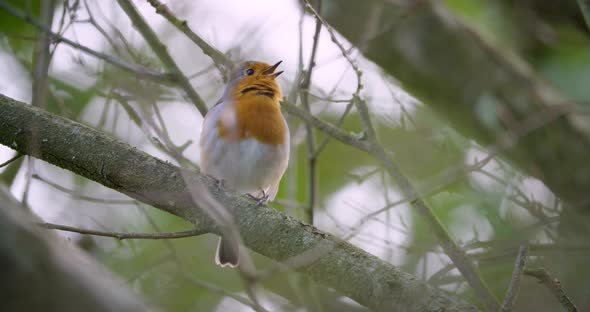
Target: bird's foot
{"points": [[263, 199], [220, 183]]}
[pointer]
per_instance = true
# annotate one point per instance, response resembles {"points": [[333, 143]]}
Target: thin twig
{"points": [[507, 140], [327, 128], [538, 248], [339, 123], [514, 287], [61, 26], [464, 264], [75, 195], [28, 178], [310, 135], [554, 286], [219, 59], [8, 162], [292, 172], [184, 274], [124, 235], [356, 99], [495, 255], [344, 52], [325, 99], [441, 183], [137, 70], [305, 289], [168, 191], [167, 146], [92, 20], [42, 58], [451, 248], [160, 49]]}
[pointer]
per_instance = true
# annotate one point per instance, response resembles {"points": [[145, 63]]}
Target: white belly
{"points": [[248, 166]]}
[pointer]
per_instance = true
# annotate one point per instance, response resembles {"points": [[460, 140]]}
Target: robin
{"points": [[245, 140]]}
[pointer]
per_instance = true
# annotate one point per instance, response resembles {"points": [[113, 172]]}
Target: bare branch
{"points": [[339, 123], [464, 264], [356, 98], [42, 58], [348, 269], [554, 286], [161, 51], [514, 287], [8, 162], [451, 248], [310, 135], [448, 244], [219, 59], [75, 194], [138, 70], [125, 235], [327, 128]]}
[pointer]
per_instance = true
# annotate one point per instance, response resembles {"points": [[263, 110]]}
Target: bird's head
{"points": [[254, 79]]}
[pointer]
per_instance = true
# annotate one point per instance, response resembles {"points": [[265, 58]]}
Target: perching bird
{"points": [[245, 140]]}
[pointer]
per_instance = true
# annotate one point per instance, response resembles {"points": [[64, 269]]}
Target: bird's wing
{"points": [[274, 188], [209, 134]]}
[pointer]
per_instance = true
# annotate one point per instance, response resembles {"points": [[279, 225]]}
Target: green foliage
{"points": [[20, 35], [423, 145], [567, 64]]}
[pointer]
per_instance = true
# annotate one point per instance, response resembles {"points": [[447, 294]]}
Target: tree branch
{"points": [[8, 162], [42, 56], [483, 92], [124, 235], [76, 195], [457, 73], [219, 59], [312, 157], [451, 248], [514, 286], [340, 265], [137, 70], [554, 286], [161, 51]]}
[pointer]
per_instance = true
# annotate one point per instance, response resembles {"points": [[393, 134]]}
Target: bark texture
{"points": [[326, 259]]}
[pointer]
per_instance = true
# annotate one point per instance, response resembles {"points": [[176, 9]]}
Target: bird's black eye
{"points": [[250, 72]]}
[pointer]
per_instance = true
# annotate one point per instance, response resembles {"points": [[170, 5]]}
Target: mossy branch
{"points": [[101, 158]]}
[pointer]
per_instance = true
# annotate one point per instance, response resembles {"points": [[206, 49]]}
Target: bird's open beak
{"points": [[270, 71]]}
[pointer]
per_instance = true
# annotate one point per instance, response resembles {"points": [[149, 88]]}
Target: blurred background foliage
{"points": [[489, 210]]}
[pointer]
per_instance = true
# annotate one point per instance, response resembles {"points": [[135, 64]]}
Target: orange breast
{"points": [[258, 117]]}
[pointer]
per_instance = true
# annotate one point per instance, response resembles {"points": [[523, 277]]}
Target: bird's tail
{"points": [[228, 253]]}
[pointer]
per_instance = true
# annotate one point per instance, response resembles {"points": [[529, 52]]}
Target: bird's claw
{"points": [[220, 183], [259, 200]]}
